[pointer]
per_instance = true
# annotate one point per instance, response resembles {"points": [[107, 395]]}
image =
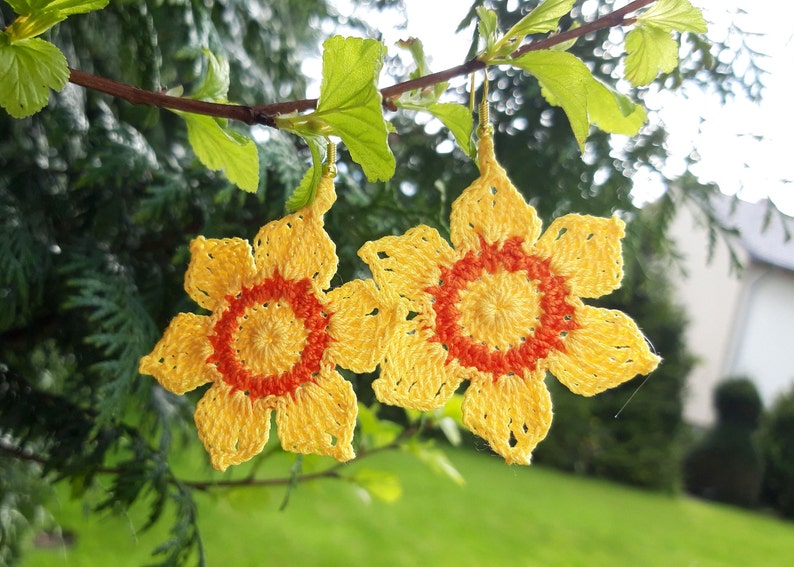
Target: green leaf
{"points": [[350, 102], [542, 19], [458, 119], [306, 191], [222, 149], [216, 81], [450, 430], [417, 51], [378, 432], [454, 409], [30, 68], [382, 485], [66, 7], [38, 16], [436, 459], [613, 112], [487, 27], [650, 50], [674, 15], [21, 7], [455, 117], [567, 82]]}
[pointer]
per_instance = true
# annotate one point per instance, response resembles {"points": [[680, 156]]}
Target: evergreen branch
{"points": [[330, 472], [19, 453], [265, 114]]}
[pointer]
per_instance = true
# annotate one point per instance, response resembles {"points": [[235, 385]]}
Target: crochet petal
{"points": [[297, 244], [178, 360], [231, 426], [298, 247], [319, 418], [362, 324], [587, 251], [414, 373], [218, 267], [410, 263], [491, 207], [512, 413], [605, 351]]}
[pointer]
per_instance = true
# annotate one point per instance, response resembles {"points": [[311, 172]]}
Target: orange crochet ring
{"points": [[556, 316], [305, 306]]}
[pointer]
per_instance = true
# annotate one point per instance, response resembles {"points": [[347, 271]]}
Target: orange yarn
{"points": [[305, 307], [553, 323], [274, 339], [501, 308]]}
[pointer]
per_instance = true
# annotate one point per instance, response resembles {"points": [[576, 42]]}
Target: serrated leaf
{"points": [[215, 85], [30, 68], [350, 102], [650, 50], [222, 149], [306, 191], [674, 15], [567, 82], [544, 18], [487, 27], [382, 485]]}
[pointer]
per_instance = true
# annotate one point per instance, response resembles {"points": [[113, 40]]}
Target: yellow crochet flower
{"points": [[500, 308], [273, 339]]}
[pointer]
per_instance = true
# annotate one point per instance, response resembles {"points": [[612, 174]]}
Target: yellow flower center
{"points": [[499, 309], [270, 338]]}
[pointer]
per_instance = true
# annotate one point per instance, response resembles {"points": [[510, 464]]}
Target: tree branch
{"points": [[266, 114]]}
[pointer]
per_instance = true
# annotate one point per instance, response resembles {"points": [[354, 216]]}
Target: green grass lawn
{"points": [[503, 515]]}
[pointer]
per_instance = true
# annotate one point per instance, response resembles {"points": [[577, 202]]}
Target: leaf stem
{"points": [[265, 114]]}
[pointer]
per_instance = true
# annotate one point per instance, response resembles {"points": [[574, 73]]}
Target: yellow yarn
{"points": [[274, 339], [500, 308]]}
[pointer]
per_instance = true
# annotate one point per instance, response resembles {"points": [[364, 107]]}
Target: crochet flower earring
{"points": [[501, 307], [274, 338]]}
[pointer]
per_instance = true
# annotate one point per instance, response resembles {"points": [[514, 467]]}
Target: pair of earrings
{"points": [[499, 307]]}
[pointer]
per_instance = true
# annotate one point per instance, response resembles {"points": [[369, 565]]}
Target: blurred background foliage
{"points": [[99, 200]]}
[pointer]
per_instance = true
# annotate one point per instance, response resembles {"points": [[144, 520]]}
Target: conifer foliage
{"points": [[100, 198]]}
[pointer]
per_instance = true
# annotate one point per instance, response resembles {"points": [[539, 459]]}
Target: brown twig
{"points": [[265, 114]]}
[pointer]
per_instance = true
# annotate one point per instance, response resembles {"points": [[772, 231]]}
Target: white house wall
{"points": [[738, 325], [710, 294], [763, 343]]}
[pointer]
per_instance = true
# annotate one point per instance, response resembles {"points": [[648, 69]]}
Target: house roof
{"points": [[765, 233]]}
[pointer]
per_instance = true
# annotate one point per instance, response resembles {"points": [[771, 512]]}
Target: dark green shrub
{"points": [[777, 442], [727, 465], [737, 402]]}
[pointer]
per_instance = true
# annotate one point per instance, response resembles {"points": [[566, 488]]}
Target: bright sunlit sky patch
{"points": [[742, 146]]}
